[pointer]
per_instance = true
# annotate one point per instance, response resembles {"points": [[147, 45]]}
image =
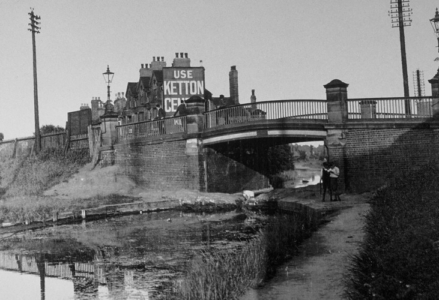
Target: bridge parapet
{"points": [[390, 108], [267, 110]]}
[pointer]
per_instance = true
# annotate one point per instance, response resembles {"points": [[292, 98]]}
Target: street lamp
{"points": [[108, 77], [435, 24]]}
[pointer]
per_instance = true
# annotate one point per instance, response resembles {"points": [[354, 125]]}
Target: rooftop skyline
{"points": [[282, 49]]}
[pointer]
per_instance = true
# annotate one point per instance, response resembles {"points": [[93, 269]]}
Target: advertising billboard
{"points": [[180, 84]]}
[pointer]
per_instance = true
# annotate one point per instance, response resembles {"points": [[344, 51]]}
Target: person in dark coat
{"points": [[326, 186], [160, 112], [334, 173], [181, 109]]}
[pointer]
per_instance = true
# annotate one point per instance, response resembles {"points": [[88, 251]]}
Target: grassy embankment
{"points": [[23, 181], [399, 258], [227, 275]]}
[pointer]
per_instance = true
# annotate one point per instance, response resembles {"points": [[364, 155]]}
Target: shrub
{"points": [[399, 257]]}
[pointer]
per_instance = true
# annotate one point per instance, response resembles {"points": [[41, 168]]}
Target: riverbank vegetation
{"points": [[24, 179], [399, 257], [227, 275], [31, 175]]}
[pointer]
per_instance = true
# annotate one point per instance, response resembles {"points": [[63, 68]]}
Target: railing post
{"points": [[337, 95], [435, 95], [368, 109]]}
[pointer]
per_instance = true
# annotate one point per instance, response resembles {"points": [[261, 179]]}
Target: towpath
{"points": [[320, 268]]}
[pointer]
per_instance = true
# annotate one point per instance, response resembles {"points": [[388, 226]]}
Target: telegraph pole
{"points": [[400, 12], [35, 29]]}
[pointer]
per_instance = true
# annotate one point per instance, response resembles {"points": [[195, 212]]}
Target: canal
{"points": [[128, 257]]}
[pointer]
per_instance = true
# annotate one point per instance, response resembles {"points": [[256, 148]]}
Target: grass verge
{"points": [[399, 257]]}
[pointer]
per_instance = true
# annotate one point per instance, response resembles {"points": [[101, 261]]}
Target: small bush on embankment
{"points": [[30, 176], [227, 275], [399, 258]]}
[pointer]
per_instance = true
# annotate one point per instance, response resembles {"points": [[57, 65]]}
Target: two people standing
{"points": [[330, 174]]}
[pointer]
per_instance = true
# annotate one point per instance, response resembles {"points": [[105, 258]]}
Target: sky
{"points": [[283, 49]]}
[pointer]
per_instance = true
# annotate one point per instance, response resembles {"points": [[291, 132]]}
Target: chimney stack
{"points": [[182, 61], [253, 100], [145, 71], [158, 64], [233, 83]]}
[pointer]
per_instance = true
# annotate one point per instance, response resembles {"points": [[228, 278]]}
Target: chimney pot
{"points": [[233, 68], [181, 54], [142, 66], [153, 58], [163, 58], [185, 55], [176, 55]]}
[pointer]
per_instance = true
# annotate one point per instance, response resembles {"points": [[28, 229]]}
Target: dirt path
{"points": [[318, 271]]}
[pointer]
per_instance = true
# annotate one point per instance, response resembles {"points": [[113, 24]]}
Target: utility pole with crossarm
{"points": [[34, 28], [400, 12]]}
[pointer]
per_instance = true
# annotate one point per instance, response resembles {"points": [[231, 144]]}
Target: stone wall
{"points": [[167, 165]]}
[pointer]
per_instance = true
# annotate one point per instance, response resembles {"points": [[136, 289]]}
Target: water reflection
{"points": [[131, 257], [303, 177]]}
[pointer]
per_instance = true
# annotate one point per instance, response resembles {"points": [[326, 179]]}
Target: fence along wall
{"points": [[24, 146]]}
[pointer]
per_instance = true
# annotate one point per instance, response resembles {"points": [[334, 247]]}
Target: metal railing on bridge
{"points": [[267, 110], [390, 108], [360, 108], [152, 128]]}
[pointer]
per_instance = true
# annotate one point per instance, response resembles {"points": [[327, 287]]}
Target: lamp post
{"points": [[108, 77], [435, 24]]}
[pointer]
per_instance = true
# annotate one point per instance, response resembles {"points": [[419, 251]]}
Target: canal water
{"points": [[302, 177], [129, 257]]}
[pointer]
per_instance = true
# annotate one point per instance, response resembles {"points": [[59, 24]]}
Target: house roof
{"points": [[220, 101], [145, 81], [131, 89], [207, 94], [158, 74]]}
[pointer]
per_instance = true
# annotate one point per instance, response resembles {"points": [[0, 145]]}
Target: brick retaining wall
{"points": [[161, 165], [374, 156]]}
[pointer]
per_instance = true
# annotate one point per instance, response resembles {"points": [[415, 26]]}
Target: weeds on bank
{"points": [[39, 208], [399, 257], [227, 275], [30, 176]]}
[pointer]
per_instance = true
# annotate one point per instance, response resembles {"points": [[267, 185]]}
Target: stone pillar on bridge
{"points": [[195, 106], [109, 120], [435, 95], [336, 96]]}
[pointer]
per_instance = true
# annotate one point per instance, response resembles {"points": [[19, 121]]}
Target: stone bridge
{"points": [[224, 150]]}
